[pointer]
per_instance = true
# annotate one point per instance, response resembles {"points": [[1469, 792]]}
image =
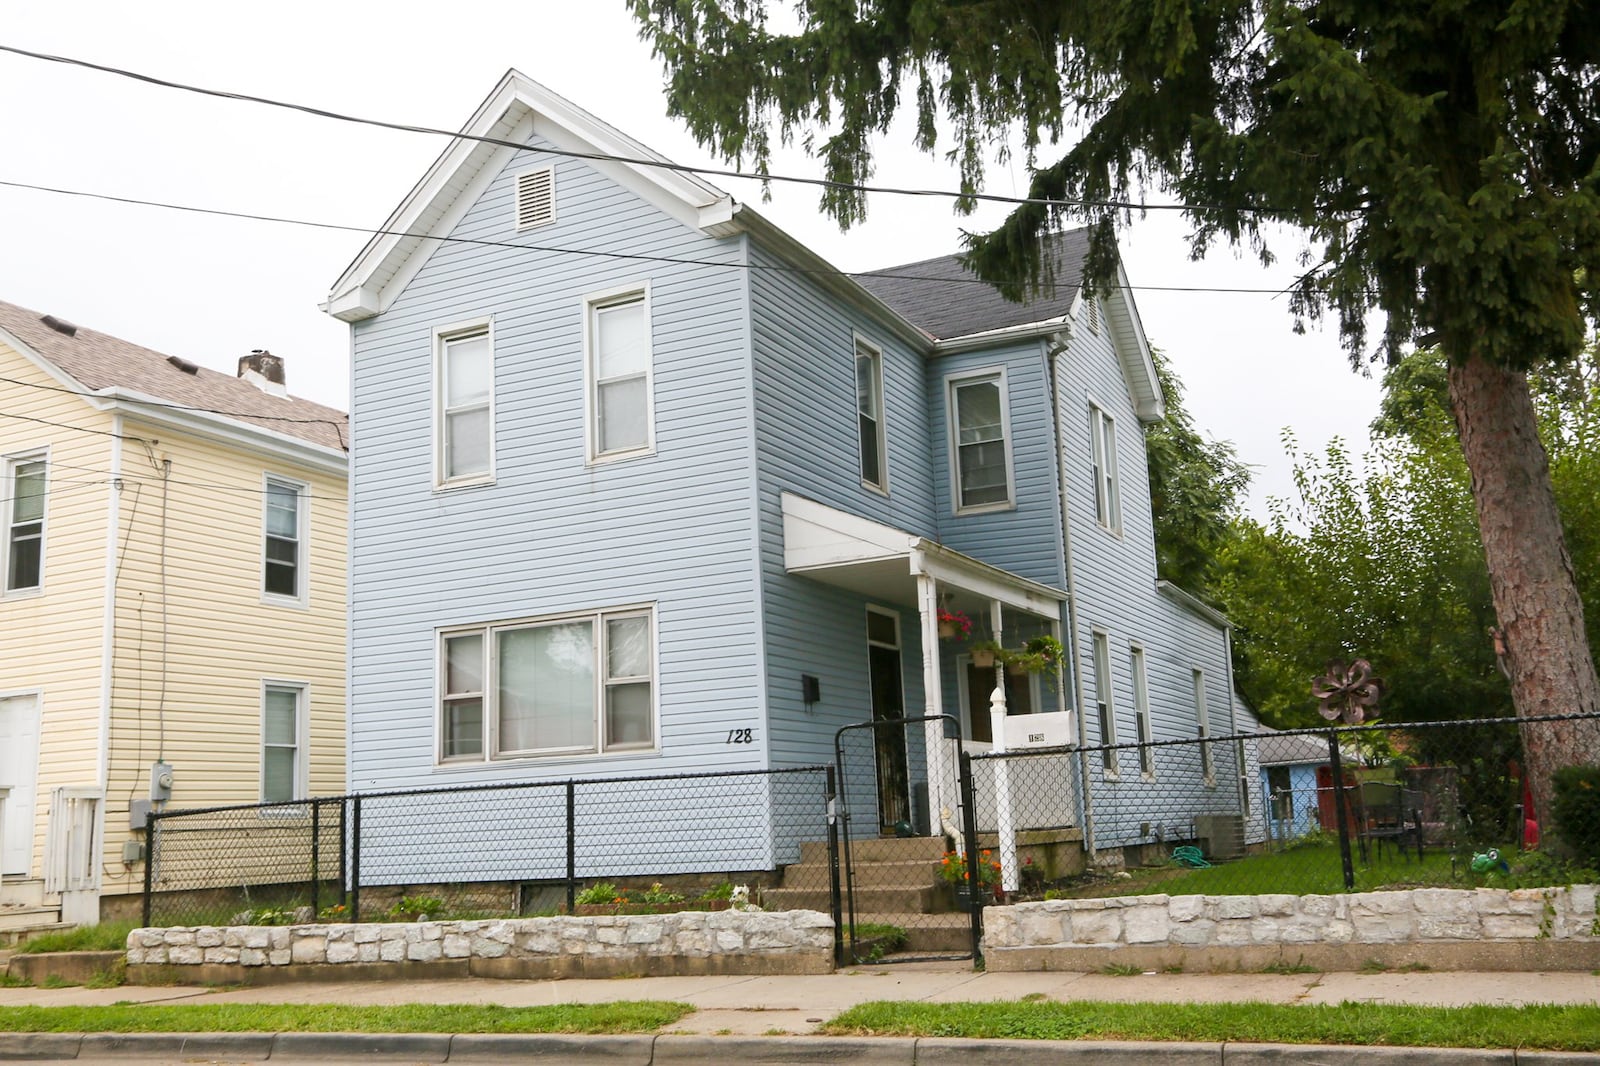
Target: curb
{"points": [[649, 1050]]}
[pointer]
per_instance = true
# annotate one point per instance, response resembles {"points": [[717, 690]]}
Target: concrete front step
{"points": [[876, 849], [925, 900], [868, 874]]}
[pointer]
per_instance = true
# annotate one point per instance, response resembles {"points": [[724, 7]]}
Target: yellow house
{"points": [[172, 604]]}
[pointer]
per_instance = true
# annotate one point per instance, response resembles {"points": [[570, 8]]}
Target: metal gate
{"points": [[908, 837]]}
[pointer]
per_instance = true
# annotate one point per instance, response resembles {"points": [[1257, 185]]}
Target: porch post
{"points": [[1005, 825], [934, 745]]}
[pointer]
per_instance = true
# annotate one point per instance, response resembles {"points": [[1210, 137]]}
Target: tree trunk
{"points": [[1530, 573]]}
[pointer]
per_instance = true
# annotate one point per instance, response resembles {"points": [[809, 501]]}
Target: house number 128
{"points": [[741, 736]]}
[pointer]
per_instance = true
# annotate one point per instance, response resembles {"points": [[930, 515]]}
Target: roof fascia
{"points": [[701, 205], [1006, 335], [61, 377], [1193, 605], [1127, 334], [225, 430], [830, 277]]}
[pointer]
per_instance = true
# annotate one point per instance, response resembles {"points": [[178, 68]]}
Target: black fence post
{"points": [[355, 858], [969, 828], [149, 866], [316, 856], [1340, 815], [835, 897], [344, 851], [572, 846]]}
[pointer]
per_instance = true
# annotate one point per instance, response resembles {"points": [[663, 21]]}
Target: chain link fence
{"points": [[612, 845], [1511, 802]]}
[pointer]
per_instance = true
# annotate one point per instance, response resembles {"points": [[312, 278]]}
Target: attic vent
{"points": [[1094, 315], [536, 198], [184, 364], [60, 325]]}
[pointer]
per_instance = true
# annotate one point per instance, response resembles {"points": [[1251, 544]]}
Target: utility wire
{"points": [[172, 406], [600, 253], [661, 164]]}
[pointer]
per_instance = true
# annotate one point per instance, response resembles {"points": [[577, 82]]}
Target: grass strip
{"points": [[641, 1016], [1548, 1027], [108, 936]]}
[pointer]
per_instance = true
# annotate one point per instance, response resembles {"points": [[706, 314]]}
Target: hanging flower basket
{"points": [[984, 653], [954, 625]]}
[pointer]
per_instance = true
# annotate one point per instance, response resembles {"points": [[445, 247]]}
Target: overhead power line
{"points": [[338, 423], [597, 252], [660, 164]]}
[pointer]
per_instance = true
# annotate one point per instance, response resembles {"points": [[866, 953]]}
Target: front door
{"points": [[19, 768], [888, 705]]}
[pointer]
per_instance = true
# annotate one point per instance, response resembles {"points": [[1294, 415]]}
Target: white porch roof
{"points": [[882, 562]]}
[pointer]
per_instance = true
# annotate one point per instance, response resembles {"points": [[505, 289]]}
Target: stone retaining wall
{"points": [[690, 942], [1485, 928]]}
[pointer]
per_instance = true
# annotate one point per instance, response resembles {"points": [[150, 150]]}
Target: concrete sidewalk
{"points": [[798, 1005]]}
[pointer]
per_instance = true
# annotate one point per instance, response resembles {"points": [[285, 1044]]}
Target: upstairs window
{"points": [[1103, 452], [574, 685], [619, 373], [869, 417], [24, 544], [465, 442], [979, 432], [283, 556]]}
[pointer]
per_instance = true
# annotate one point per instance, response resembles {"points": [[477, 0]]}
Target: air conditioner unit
{"points": [[1221, 836]]}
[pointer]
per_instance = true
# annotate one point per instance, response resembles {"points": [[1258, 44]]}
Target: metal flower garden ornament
{"points": [[1347, 692]]}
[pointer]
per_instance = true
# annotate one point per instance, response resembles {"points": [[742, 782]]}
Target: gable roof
{"points": [[940, 297], [109, 368], [1295, 749]]}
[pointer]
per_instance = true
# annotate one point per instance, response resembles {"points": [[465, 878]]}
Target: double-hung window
{"points": [[24, 533], [283, 742], [1141, 712], [1202, 720], [576, 684], [1103, 706], [619, 375], [980, 446], [869, 417], [1103, 453], [464, 444], [283, 564]]}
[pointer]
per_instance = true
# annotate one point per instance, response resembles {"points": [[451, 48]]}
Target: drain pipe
{"points": [[1056, 345]]}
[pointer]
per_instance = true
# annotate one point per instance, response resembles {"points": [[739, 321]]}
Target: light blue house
{"points": [[643, 486]]}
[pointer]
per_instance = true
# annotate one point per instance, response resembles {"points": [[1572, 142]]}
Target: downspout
{"points": [[1057, 344]]}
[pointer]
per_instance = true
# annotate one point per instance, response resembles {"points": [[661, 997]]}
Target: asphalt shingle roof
{"points": [[1274, 749], [939, 296], [98, 361]]}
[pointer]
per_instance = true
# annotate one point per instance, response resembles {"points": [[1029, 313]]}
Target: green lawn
{"points": [[1547, 1027], [1309, 870], [107, 936], [638, 1017]]}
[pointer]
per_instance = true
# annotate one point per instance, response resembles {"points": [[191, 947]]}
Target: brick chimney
{"points": [[265, 371]]}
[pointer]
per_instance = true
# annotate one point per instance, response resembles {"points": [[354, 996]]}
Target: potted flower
{"points": [[954, 625], [954, 870], [984, 653]]}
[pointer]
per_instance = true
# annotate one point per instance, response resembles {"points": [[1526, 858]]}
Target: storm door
{"points": [[888, 705]]}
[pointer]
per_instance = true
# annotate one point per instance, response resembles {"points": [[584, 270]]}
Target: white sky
{"points": [[211, 289]]}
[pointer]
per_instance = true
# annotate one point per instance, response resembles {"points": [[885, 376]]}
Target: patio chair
{"points": [[1390, 812]]}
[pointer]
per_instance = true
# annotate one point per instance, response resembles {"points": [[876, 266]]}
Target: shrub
{"points": [[1576, 811], [416, 908], [599, 892]]}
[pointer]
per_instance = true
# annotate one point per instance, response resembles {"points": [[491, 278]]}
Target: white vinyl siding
{"points": [[464, 438], [869, 417], [24, 534], [1104, 707], [980, 442], [1103, 450], [1141, 712], [284, 555], [1202, 719], [620, 404], [283, 747], [573, 685]]}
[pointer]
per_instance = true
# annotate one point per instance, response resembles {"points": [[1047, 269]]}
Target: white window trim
{"points": [[1202, 720], [952, 431], [491, 715], [442, 335], [860, 343], [302, 736], [1100, 653], [302, 568], [1141, 712], [1107, 487], [596, 301], [11, 463]]}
